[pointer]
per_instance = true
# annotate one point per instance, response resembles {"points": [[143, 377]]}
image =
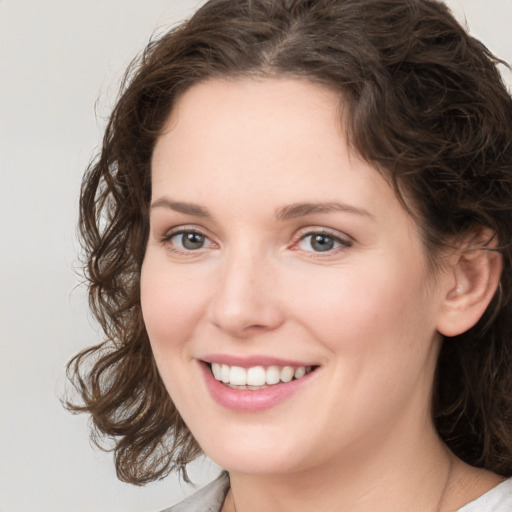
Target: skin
{"points": [[367, 312]]}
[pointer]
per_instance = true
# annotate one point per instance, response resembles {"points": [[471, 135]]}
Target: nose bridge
{"points": [[246, 298]]}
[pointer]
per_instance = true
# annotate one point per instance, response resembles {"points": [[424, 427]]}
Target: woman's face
{"points": [[274, 252]]}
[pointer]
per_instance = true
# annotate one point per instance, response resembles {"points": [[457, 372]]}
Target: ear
{"points": [[471, 283]]}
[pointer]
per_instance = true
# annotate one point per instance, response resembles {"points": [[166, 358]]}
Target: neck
{"points": [[399, 476]]}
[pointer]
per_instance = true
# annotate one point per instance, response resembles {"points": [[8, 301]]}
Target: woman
{"points": [[298, 238]]}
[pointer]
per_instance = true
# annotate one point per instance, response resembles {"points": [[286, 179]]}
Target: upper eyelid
{"points": [[178, 231], [302, 233], [185, 228]]}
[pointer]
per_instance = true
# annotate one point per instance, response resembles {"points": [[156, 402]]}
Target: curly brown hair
{"points": [[425, 104]]}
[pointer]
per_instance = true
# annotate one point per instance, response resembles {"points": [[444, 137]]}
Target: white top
{"points": [[498, 499], [211, 498]]}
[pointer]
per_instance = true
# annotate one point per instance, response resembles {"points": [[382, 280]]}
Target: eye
{"points": [[321, 242], [187, 240]]}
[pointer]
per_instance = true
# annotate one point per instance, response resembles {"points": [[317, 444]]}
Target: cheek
{"points": [[171, 304], [380, 335], [172, 307], [367, 307]]}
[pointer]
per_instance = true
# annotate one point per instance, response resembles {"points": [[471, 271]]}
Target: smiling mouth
{"points": [[256, 378]]}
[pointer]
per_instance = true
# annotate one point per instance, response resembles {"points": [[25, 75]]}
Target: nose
{"points": [[246, 300]]}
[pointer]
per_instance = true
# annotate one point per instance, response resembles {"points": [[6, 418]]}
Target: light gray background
{"points": [[59, 60]]}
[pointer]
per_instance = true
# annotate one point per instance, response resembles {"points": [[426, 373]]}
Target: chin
{"points": [[246, 454], [259, 463]]}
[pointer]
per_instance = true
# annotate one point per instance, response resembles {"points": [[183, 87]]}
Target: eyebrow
{"points": [[288, 212], [302, 209], [181, 207]]}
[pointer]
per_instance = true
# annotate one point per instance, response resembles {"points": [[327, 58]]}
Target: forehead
{"points": [[281, 140], [232, 117]]}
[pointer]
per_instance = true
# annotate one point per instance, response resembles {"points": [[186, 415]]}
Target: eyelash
{"points": [[340, 242], [166, 240]]}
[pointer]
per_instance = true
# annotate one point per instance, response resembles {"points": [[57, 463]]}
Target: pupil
{"points": [[322, 243], [192, 240]]}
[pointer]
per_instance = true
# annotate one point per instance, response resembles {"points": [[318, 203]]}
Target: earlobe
{"points": [[472, 283]]}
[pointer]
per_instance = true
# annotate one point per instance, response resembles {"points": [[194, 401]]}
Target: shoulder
{"points": [[498, 499], [208, 499]]}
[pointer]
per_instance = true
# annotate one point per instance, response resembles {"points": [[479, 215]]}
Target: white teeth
{"points": [[217, 371], [237, 376], [257, 377], [287, 374], [225, 373], [273, 375], [300, 372]]}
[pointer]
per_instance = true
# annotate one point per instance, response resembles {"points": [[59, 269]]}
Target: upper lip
{"points": [[254, 360]]}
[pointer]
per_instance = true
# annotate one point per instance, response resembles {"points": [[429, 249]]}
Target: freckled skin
{"points": [[365, 311]]}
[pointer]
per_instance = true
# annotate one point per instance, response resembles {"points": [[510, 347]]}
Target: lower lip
{"points": [[242, 400]]}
